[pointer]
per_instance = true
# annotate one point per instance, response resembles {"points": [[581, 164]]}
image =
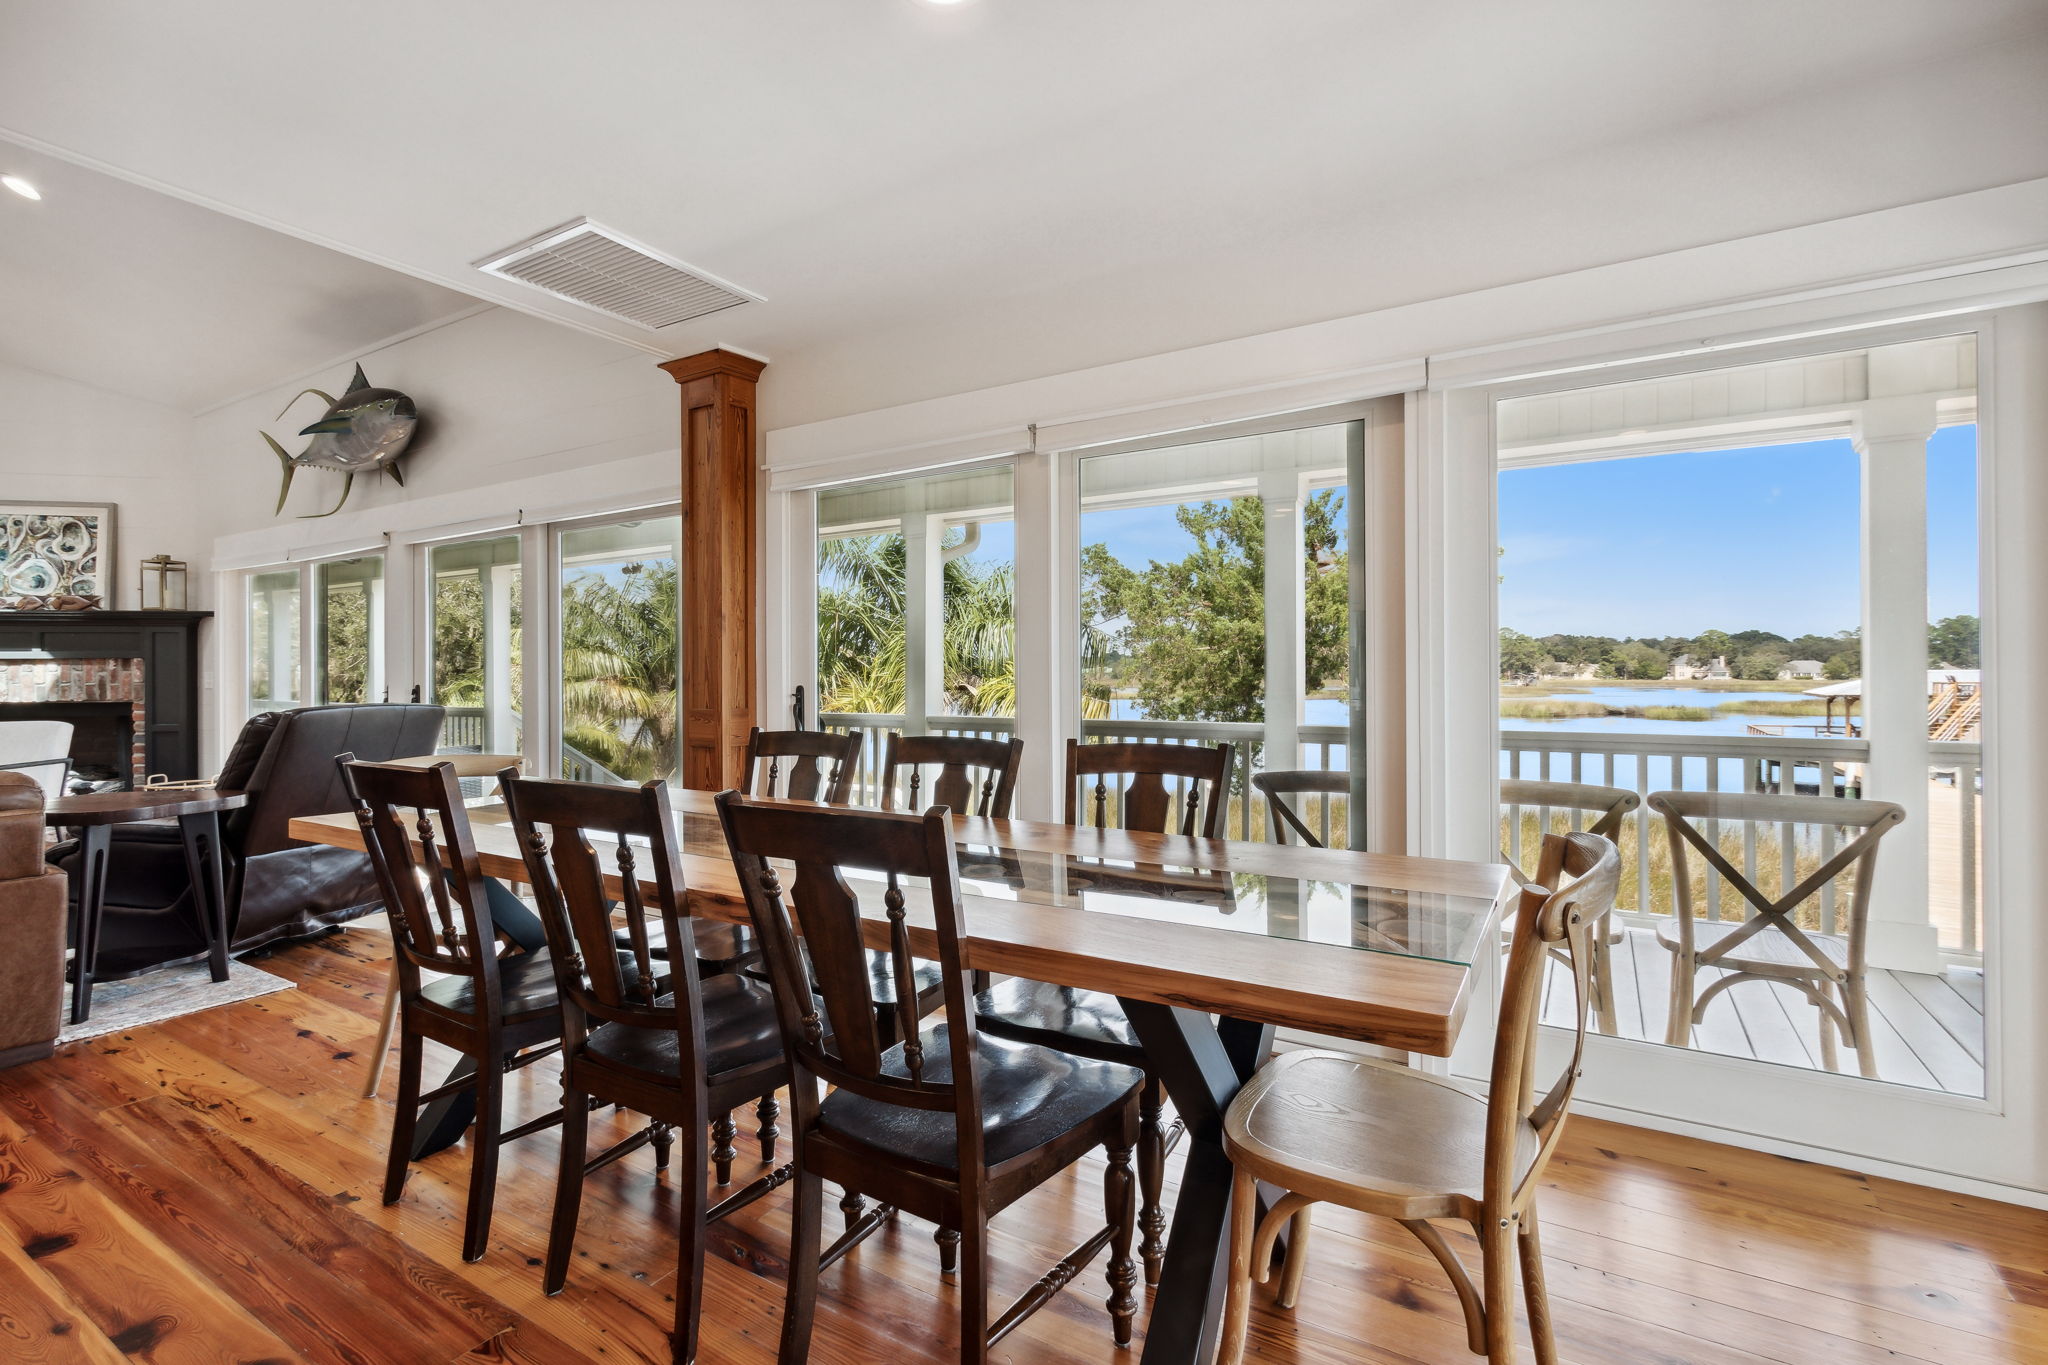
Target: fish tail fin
{"points": [[285, 463], [348, 482]]}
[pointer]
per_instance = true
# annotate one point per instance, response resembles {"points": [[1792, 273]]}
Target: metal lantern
{"points": [[163, 584]]}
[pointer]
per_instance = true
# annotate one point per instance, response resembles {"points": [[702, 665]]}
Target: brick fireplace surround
{"points": [[81, 680]]}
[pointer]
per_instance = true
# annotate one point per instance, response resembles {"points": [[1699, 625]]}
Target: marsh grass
{"points": [[1554, 710], [1811, 707], [1670, 712]]}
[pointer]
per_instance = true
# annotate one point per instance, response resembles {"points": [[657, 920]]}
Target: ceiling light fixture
{"points": [[20, 187]]}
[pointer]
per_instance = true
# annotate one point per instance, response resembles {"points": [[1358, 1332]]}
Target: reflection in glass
{"points": [[478, 645], [273, 640], [621, 703], [348, 644]]}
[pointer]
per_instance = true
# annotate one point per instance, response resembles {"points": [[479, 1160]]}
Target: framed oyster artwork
{"points": [[56, 556]]}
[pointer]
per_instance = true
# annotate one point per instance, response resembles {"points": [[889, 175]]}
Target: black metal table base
{"points": [[1203, 1063], [201, 837]]}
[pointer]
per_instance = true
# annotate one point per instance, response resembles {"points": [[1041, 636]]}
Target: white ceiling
{"points": [[126, 289], [933, 199]]}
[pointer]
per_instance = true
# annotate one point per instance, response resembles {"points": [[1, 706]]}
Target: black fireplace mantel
{"points": [[167, 642]]}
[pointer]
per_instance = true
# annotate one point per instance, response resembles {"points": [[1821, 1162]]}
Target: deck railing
{"points": [[1641, 763]]}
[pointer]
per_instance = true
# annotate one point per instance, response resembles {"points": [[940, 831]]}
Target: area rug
{"points": [[118, 1006]]}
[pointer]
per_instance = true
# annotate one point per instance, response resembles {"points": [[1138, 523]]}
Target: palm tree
{"points": [[619, 668]]}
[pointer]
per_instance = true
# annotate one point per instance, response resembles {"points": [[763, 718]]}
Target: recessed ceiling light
{"points": [[20, 186]]}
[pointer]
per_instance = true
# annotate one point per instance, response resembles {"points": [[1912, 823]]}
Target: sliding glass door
{"points": [[348, 630], [621, 717], [476, 643]]}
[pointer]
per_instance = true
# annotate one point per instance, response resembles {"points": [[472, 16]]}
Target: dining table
{"points": [[1211, 946]]}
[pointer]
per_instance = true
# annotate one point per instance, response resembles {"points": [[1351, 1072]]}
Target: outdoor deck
{"points": [[1930, 1029]]}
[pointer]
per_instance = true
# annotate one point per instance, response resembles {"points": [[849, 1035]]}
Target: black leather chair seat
{"points": [[1089, 1022], [925, 976], [1030, 1096], [526, 988], [739, 1031]]}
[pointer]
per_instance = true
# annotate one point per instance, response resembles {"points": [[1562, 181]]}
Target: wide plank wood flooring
{"points": [[206, 1190]]}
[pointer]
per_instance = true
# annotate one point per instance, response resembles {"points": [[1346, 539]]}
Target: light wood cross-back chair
{"points": [[1276, 787], [1770, 944], [974, 777], [673, 1045], [801, 765], [502, 1014], [467, 768], [951, 1126], [1610, 808], [1092, 1023], [1332, 1127]]}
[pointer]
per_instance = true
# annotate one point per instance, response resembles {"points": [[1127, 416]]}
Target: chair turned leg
{"points": [[663, 1138], [1678, 1027], [689, 1289], [1121, 1209], [723, 1133], [1237, 1305], [1859, 1027], [1151, 1178], [1830, 1058], [949, 1249], [1497, 1288], [974, 1288], [801, 1304], [406, 1120], [568, 1191], [852, 1207], [1601, 960], [1535, 1292], [483, 1156], [766, 1112], [384, 1027]]}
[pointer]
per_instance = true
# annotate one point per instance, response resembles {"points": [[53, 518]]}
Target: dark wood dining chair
{"points": [[1609, 808], [1386, 1139], [950, 1126], [1145, 803], [801, 765], [974, 777], [668, 1044], [1770, 944], [1281, 812], [1091, 1023], [500, 1012]]}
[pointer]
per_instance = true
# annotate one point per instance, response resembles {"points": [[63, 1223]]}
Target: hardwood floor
{"points": [[206, 1190]]}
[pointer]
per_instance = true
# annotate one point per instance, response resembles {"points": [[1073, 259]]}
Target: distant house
{"points": [[1801, 668], [1717, 669], [1681, 666]]}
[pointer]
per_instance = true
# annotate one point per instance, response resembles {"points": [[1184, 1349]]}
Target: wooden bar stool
{"points": [[1383, 1139]]}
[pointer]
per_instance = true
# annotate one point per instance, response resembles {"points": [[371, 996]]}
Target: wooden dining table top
{"points": [[1373, 947]]}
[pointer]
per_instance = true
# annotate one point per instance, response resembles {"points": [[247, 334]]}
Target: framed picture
{"points": [[53, 549]]}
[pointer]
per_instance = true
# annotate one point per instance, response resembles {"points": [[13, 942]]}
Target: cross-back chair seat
{"points": [[1331, 1127], [679, 1048], [943, 1123], [1769, 944], [1609, 808], [1091, 1023]]}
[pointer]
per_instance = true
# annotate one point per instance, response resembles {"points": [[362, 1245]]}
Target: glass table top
{"points": [[1326, 911]]}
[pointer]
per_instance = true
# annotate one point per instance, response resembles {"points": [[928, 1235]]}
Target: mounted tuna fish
{"points": [[365, 430]]}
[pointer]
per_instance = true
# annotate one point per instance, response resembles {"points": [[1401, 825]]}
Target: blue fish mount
{"points": [[365, 431]]}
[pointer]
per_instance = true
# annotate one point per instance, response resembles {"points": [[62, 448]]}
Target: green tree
{"points": [[1194, 629], [1761, 665], [1952, 643], [1521, 657], [345, 622], [1711, 645], [620, 643], [1635, 659]]}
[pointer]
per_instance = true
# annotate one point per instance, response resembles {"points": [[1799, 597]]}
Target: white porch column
{"points": [[284, 646], [924, 620], [502, 726], [1283, 491], [373, 629], [1891, 436]]}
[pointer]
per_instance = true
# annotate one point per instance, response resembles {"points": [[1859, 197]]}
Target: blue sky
{"points": [[1763, 538]]}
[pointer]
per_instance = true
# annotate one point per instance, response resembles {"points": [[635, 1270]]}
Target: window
{"points": [[477, 650], [621, 650], [348, 635], [273, 605], [1215, 604]]}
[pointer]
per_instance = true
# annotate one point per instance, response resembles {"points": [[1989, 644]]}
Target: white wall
{"points": [[70, 442]]}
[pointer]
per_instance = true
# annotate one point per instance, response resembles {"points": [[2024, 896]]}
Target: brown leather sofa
{"points": [[31, 924], [277, 887]]}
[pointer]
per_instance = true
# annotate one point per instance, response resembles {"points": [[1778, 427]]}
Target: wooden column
{"points": [[719, 563]]}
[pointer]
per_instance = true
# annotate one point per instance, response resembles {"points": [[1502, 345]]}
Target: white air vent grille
{"points": [[589, 264]]}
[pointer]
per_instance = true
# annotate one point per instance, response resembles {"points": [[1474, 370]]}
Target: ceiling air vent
{"points": [[589, 264]]}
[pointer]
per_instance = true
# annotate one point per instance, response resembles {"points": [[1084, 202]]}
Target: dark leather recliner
{"points": [[277, 887], [32, 921]]}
